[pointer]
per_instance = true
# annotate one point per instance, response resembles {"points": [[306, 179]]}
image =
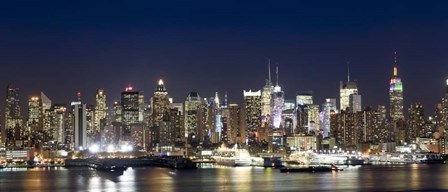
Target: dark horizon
{"points": [[61, 48]]}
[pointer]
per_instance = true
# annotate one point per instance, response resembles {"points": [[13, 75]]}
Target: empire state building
{"points": [[396, 95]]}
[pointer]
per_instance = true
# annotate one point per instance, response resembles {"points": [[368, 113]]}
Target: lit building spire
{"points": [[269, 69], [276, 72], [348, 71], [160, 86], [395, 64]]}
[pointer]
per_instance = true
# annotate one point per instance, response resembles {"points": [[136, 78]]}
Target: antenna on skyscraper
{"points": [[269, 69], [225, 99], [348, 71], [276, 72], [395, 64]]}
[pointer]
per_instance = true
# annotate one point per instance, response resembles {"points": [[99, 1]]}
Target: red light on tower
{"points": [[78, 95], [129, 88]]}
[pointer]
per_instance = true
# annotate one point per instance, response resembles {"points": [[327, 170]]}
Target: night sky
{"points": [[61, 47]]}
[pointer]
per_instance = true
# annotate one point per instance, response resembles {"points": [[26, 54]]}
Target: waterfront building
{"points": [[396, 94], [13, 120], [302, 142], [252, 113]]}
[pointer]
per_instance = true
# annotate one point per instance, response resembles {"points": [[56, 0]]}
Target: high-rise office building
{"points": [[304, 98], [444, 120], [57, 120], [346, 89], [325, 115], [34, 113], [13, 119], [192, 104], [289, 117], [130, 106], [100, 109], [277, 104], [80, 125], [160, 103], [37, 106], [252, 112], [416, 122], [396, 94], [313, 118], [266, 99], [355, 103]]}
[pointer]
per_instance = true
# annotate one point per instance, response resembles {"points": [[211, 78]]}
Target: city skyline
{"points": [[223, 48]]}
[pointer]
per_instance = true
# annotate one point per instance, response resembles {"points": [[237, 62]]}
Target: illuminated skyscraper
{"points": [[445, 108], [396, 94], [266, 98], [100, 109], [57, 122], [346, 89], [130, 106], [252, 111], [160, 103], [34, 113], [327, 109], [304, 98], [416, 122], [80, 125], [217, 121], [355, 103], [13, 118], [192, 104], [277, 104]]}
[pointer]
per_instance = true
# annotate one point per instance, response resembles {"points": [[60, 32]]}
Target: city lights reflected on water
{"points": [[367, 178]]}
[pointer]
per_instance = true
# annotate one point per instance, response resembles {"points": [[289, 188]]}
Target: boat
{"points": [[310, 169], [232, 157], [434, 159]]}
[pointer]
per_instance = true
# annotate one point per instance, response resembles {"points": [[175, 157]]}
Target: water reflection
{"points": [[379, 178]]}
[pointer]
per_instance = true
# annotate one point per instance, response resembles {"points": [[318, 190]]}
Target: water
{"points": [[367, 178]]}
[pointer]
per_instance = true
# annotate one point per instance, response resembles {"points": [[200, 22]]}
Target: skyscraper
{"points": [[266, 98], [277, 104], [445, 108], [160, 103], [304, 98], [192, 104], [396, 94], [100, 109], [130, 106], [80, 125], [34, 113], [252, 111], [355, 103], [346, 89], [13, 118], [416, 122]]}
